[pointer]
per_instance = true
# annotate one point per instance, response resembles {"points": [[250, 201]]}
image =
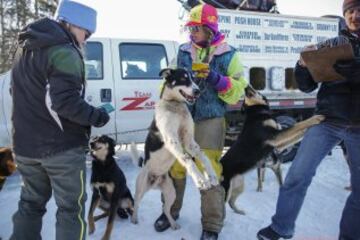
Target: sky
{"points": [[158, 19]]}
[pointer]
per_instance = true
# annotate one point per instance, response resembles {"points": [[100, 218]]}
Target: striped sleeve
{"points": [[236, 81]]}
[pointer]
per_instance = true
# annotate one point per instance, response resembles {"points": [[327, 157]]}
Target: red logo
{"points": [[139, 102]]}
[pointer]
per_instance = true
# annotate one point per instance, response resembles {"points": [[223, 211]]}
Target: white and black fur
{"points": [[110, 192], [170, 138]]}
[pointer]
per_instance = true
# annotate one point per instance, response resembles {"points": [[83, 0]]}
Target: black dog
{"points": [[260, 136], [7, 164], [110, 191]]}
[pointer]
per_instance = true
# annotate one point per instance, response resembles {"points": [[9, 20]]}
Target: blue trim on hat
{"points": [[77, 14]]}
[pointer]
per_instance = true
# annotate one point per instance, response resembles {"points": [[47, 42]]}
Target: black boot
{"points": [[208, 235], [122, 213], [269, 234], [162, 223]]}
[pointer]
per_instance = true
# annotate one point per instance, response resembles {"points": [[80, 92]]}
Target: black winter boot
{"points": [[162, 223], [208, 235], [269, 234]]}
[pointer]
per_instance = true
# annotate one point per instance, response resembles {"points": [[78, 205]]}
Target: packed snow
{"points": [[318, 220]]}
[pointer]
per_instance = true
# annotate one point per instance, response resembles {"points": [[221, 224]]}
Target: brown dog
{"points": [[7, 164]]}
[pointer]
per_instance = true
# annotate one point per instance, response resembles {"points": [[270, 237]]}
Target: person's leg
{"points": [[350, 221], [213, 199], [67, 172], [35, 193], [316, 144]]}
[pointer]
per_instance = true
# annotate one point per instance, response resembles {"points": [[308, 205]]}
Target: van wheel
{"points": [[289, 153]]}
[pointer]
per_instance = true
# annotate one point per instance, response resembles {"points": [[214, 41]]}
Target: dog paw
{"points": [[214, 181], [91, 230], [239, 211], [134, 220], [175, 226], [203, 184], [91, 227]]}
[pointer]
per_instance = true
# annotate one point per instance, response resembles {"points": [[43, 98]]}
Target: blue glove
{"points": [[213, 78], [350, 69]]}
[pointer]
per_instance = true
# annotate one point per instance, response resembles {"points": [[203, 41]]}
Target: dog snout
{"points": [[250, 91], [196, 92]]}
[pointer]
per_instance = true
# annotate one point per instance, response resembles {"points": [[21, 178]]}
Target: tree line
{"points": [[14, 15]]}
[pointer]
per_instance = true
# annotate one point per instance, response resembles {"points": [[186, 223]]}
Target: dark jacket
{"points": [[50, 114], [339, 100]]}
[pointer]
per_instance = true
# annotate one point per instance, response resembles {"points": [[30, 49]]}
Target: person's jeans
{"points": [[63, 173], [318, 141]]}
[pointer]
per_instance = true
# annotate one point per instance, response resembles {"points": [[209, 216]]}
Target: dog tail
{"points": [[136, 158], [226, 185]]}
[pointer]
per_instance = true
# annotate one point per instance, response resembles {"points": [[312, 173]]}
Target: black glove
{"points": [[103, 117], [350, 69]]}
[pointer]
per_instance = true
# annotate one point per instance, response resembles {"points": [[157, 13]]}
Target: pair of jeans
{"points": [[318, 141], [63, 173]]}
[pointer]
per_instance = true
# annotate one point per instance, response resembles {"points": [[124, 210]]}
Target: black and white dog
{"points": [[110, 192], [171, 137], [260, 136]]}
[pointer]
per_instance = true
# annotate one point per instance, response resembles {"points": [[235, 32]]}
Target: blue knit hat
{"points": [[77, 14]]}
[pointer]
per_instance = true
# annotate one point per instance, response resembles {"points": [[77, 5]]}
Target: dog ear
{"points": [[165, 73]]}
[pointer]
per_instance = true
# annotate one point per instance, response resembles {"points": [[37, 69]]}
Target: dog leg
{"points": [[261, 176], [103, 215], [174, 146], [112, 213], [294, 134], [94, 203], [169, 194], [237, 187], [277, 171], [194, 149], [141, 188]]}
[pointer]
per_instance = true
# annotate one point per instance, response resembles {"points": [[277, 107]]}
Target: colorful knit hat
{"points": [[350, 4], [204, 14]]}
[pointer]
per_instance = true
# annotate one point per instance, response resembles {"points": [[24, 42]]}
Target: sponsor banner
{"points": [[277, 35]]}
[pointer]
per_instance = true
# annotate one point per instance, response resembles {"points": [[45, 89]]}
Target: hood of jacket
{"points": [[43, 33]]}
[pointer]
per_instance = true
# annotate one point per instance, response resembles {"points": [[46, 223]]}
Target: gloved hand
{"points": [[350, 69], [103, 117], [213, 77]]}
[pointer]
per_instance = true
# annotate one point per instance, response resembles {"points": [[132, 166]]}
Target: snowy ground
{"points": [[318, 219]]}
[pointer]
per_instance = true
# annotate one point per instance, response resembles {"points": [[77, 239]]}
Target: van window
{"points": [[94, 61], [290, 82], [257, 78], [142, 61]]}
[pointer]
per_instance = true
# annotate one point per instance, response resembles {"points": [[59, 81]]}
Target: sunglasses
{"points": [[87, 35], [194, 28]]}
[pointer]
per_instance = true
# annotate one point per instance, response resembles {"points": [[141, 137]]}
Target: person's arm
{"points": [[232, 86], [65, 88], [304, 79]]}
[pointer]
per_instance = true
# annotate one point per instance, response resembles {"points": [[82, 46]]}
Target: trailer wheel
{"points": [[289, 153]]}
